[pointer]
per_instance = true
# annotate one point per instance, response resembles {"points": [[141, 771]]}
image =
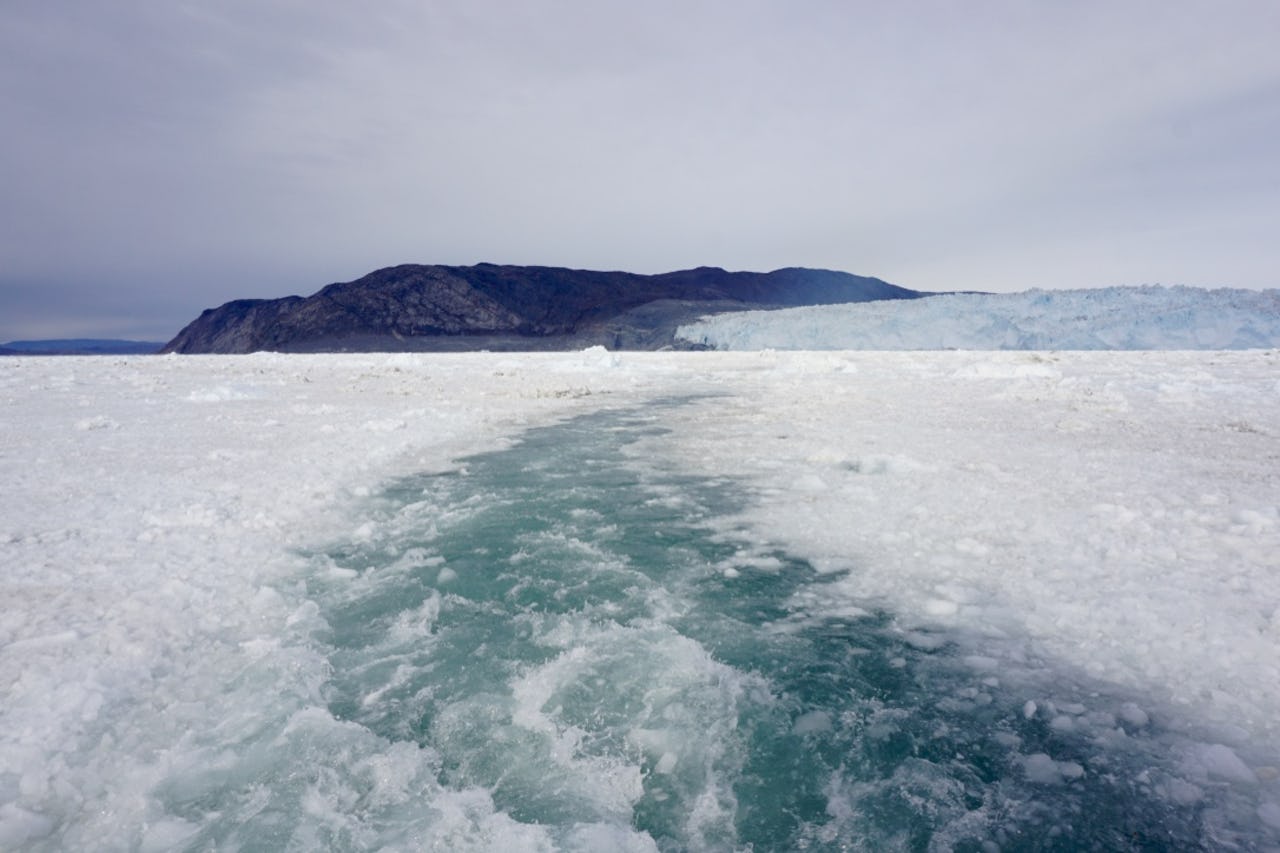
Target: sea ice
{"points": [[1109, 514]]}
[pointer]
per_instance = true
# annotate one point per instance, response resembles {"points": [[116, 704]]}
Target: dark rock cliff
{"points": [[415, 307]]}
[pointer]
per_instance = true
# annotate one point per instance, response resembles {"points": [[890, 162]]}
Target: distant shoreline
{"points": [[81, 346]]}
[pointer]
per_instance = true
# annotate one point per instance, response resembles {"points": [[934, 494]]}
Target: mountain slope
{"points": [[486, 306]]}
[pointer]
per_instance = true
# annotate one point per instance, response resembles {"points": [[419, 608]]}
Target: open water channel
{"points": [[556, 646]]}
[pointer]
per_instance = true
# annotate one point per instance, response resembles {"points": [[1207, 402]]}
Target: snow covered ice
{"points": [[194, 551]]}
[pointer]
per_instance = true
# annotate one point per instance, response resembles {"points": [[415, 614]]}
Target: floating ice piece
{"points": [[813, 721], [1133, 715], [941, 607], [19, 825], [666, 764], [1221, 762], [222, 394], [97, 422], [1043, 770]]}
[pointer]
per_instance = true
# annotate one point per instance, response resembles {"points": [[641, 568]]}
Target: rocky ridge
{"points": [[416, 307]]}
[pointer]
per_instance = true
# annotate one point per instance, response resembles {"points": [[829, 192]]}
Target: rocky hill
{"points": [[486, 306]]}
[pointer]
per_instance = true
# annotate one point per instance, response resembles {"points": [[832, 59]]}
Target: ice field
{"points": [[641, 601]]}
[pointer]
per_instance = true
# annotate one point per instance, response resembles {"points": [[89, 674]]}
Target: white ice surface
{"points": [[1125, 318], [1119, 511]]}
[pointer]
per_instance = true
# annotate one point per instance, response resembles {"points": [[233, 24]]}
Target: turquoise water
{"points": [[562, 645]]}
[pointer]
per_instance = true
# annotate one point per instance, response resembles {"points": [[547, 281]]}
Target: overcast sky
{"points": [[158, 158]]}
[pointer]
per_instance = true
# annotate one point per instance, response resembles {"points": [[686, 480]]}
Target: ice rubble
{"points": [[1119, 512]]}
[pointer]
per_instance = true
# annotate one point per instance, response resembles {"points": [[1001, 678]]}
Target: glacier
{"points": [[1152, 317]]}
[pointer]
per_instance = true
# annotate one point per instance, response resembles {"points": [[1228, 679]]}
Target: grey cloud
{"points": [[196, 152]]}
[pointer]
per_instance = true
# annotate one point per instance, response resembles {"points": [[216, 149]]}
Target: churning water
{"points": [[562, 646]]}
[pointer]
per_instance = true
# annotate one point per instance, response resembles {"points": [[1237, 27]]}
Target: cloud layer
{"points": [[159, 158]]}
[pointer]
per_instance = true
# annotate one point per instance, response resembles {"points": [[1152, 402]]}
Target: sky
{"points": [[160, 158]]}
